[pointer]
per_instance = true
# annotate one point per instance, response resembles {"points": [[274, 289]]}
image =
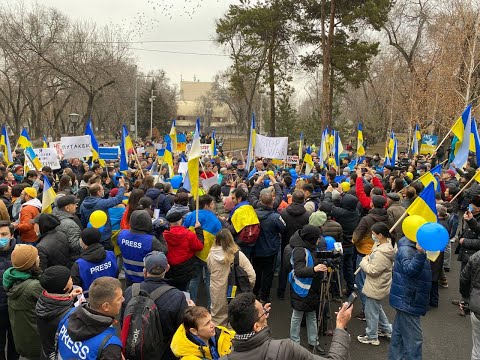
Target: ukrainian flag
{"points": [[123, 151], [48, 196], [360, 147], [337, 149], [391, 146], [213, 144], [300, 146], [477, 176], [474, 141], [168, 158], [462, 129], [95, 147], [395, 152], [128, 141], [323, 155], [429, 177], [308, 161], [193, 161], [30, 154], [173, 135], [210, 225], [417, 137], [24, 140], [251, 143], [45, 142], [424, 205], [5, 142], [243, 215]]}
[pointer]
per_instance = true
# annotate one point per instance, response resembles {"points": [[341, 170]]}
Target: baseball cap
{"points": [[154, 260]]}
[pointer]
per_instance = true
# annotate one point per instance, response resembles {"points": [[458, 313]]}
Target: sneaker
{"points": [[361, 316], [384, 334], [317, 349], [456, 302], [443, 283], [365, 340], [447, 269]]}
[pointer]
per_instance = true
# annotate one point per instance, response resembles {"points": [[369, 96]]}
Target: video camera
{"points": [[329, 258]]}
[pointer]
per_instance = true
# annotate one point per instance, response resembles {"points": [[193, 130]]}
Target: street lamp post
{"points": [[152, 98], [136, 101], [73, 119]]}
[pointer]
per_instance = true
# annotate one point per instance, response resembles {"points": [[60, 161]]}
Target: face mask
{"points": [[375, 238], [4, 242], [18, 177]]}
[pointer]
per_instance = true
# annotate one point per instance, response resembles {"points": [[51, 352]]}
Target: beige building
{"points": [[196, 101]]}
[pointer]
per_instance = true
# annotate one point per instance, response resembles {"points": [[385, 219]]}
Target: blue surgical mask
{"points": [[4, 242]]}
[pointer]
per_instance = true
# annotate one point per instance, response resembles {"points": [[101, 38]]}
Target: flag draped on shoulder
{"points": [[5, 143], [251, 143], [417, 137], [24, 140], [462, 129], [173, 136], [308, 161], [48, 196], [210, 225], [360, 147], [243, 214], [95, 147], [424, 205], [193, 162]]}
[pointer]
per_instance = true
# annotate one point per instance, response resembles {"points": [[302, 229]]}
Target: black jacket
{"points": [[471, 244], [53, 246], [347, 215], [171, 306], [254, 195], [5, 263], [295, 216], [470, 282], [50, 309], [85, 323], [272, 227]]}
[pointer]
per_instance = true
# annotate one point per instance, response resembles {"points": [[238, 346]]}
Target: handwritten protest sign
{"points": [[48, 157], [271, 147], [292, 159], [76, 146], [205, 149], [57, 145]]}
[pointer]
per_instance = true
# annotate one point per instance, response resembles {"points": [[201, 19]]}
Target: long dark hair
{"points": [[133, 201], [216, 192]]}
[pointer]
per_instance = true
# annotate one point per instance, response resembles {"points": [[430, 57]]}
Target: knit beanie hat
{"points": [[55, 278], [310, 234], [90, 236], [30, 191], [24, 256], [318, 218], [378, 201]]}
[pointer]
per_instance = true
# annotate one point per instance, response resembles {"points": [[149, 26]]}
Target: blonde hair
{"points": [[224, 239]]}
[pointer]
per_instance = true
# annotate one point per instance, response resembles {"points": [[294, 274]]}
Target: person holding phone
{"points": [[378, 270]]}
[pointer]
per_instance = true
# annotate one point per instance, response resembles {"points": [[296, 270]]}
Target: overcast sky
{"points": [[165, 20]]}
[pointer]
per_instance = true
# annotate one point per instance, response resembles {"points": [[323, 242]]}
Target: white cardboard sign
{"points": [[271, 147], [76, 146]]}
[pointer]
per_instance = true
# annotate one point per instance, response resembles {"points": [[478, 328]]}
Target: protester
{"points": [[31, 207], [70, 224], [133, 201]]}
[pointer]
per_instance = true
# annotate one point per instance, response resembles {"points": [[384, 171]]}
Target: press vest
{"points": [[84, 350], [90, 271], [134, 247], [301, 286]]}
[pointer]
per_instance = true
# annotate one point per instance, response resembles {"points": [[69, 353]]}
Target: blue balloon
{"points": [[330, 243], [432, 237], [176, 181]]}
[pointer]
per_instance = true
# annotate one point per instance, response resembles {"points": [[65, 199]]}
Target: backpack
{"points": [[249, 234], [238, 281], [142, 334]]}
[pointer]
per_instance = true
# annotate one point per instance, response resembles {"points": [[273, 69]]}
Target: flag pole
{"points": [[405, 214], [445, 138], [465, 187]]}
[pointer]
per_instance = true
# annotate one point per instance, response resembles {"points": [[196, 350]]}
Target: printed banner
{"points": [[76, 146], [108, 153], [271, 147], [429, 144]]}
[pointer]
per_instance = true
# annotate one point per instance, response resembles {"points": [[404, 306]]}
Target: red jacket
{"points": [[182, 244], [362, 197]]}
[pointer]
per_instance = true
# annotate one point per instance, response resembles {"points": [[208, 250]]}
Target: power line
{"points": [[131, 42], [178, 52]]}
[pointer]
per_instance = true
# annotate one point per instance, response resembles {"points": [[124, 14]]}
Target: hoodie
{"points": [[378, 268], [28, 212], [53, 246], [50, 309], [272, 226], [362, 236], [295, 216]]}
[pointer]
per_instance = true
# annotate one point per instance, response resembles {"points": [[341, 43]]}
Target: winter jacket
{"points": [[471, 242], [411, 282], [295, 217], [23, 291], [219, 269], [301, 270], [312, 202], [160, 200], [85, 323], [272, 226], [93, 203], [254, 195], [256, 348], [53, 246], [378, 269], [184, 209], [70, 226], [362, 197], [171, 305], [394, 212], [333, 229], [4, 215], [470, 283], [220, 209], [362, 236], [347, 215], [185, 347], [28, 212], [50, 309], [5, 263], [94, 253]]}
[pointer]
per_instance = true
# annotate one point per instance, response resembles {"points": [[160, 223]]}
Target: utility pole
{"points": [[152, 98], [136, 104]]}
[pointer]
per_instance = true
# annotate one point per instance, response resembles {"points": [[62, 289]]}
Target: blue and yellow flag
{"points": [[243, 215], [417, 137], [168, 158], [44, 142], [5, 143], [128, 141], [48, 196], [429, 177], [181, 142], [462, 129], [337, 149], [210, 225], [173, 136], [474, 141], [24, 140], [300, 146], [424, 205], [360, 147], [95, 147], [391, 146], [193, 163], [323, 153], [123, 150], [213, 144], [251, 143], [33, 158], [308, 161]]}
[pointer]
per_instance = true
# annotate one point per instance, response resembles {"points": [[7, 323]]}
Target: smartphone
{"points": [[470, 207], [187, 295], [351, 300]]}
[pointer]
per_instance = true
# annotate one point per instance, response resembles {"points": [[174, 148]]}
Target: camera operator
{"points": [[305, 282]]}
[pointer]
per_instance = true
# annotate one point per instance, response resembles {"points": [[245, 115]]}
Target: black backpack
{"points": [[142, 334], [238, 281]]}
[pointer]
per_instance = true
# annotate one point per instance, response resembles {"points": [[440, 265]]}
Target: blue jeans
{"points": [[376, 318], [295, 323], [348, 270], [202, 272], [406, 342], [360, 279]]}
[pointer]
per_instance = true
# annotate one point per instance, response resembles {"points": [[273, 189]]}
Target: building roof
{"points": [[194, 90]]}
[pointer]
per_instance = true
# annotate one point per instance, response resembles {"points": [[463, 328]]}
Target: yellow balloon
{"points": [[410, 226], [98, 218], [410, 175], [270, 172]]}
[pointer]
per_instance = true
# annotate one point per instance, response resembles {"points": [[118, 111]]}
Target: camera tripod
{"points": [[326, 298]]}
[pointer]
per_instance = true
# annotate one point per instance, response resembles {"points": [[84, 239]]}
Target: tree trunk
{"points": [[271, 83], [325, 72]]}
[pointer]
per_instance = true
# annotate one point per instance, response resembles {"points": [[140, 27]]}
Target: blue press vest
{"points": [[301, 286], [90, 271], [134, 247], [83, 350]]}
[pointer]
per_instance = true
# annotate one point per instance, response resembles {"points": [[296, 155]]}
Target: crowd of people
{"points": [[131, 287]]}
